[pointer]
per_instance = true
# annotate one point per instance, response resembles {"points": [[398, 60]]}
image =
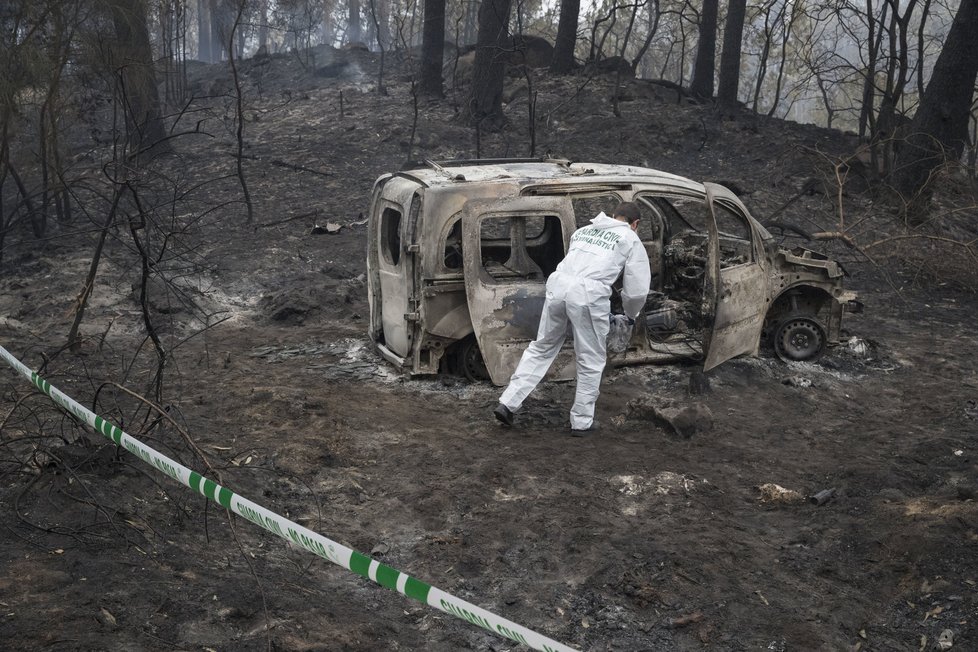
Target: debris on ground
{"points": [[797, 381], [775, 493], [946, 640], [822, 497], [859, 347], [684, 620], [682, 420]]}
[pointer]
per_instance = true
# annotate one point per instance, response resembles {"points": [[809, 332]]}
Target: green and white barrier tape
{"points": [[293, 532]]}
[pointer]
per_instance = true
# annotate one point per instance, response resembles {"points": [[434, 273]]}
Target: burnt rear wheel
{"points": [[468, 361], [799, 339]]}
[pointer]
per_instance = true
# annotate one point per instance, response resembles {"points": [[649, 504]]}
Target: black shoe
{"points": [[503, 414], [590, 430]]}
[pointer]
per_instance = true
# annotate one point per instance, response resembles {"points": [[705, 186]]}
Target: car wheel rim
{"points": [[800, 339]]}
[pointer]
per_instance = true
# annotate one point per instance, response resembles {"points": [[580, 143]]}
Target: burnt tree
{"points": [[380, 12], [733, 36], [204, 49], [484, 107], [939, 130], [222, 15], [133, 65], [433, 48], [566, 41], [706, 51], [353, 32]]}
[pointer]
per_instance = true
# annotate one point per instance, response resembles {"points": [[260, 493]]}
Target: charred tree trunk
{"points": [[73, 342], [921, 46], [769, 28], [353, 31], [378, 29], [566, 41], [134, 65], [706, 52], [204, 31], [470, 27], [239, 114], [898, 70], [874, 41], [38, 225], [616, 96], [220, 28], [733, 36], [327, 25], [484, 108], [263, 27], [381, 12], [138, 223], [597, 45], [654, 16], [939, 130], [785, 37], [433, 48]]}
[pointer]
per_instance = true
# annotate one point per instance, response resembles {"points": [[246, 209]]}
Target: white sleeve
{"points": [[637, 279]]}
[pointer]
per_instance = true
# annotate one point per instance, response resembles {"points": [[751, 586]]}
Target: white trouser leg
{"points": [[590, 324], [539, 355]]}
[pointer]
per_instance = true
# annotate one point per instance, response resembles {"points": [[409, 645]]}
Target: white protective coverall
{"points": [[579, 292]]}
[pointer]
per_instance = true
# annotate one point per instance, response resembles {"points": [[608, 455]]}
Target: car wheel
{"points": [[468, 360], [799, 339]]}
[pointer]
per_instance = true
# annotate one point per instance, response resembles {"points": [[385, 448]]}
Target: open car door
{"points": [[394, 269], [510, 247], [733, 293]]}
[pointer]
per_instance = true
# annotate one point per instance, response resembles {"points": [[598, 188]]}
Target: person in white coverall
{"points": [[579, 293]]}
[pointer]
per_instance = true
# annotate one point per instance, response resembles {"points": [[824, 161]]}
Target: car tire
{"points": [[799, 339], [468, 360]]}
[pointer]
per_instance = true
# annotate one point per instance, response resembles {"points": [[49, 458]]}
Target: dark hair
{"points": [[629, 211]]}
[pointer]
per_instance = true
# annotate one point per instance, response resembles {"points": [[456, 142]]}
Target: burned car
{"points": [[459, 253]]}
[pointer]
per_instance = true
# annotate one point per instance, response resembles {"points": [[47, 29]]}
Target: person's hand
{"points": [[628, 320]]}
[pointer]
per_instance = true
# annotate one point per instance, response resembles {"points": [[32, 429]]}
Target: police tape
{"points": [[291, 531]]}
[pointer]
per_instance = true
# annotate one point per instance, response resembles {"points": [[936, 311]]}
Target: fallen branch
{"points": [[165, 415], [285, 164], [687, 619], [967, 246], [808, 188], [301, 168], [835, 235], [254, 574], [290, 219], [3, 422]]}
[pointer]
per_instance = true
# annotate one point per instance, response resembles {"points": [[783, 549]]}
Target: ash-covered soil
{"points": [[636, 539]]}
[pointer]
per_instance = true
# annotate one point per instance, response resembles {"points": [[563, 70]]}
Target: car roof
{"points": [[539, 172]]}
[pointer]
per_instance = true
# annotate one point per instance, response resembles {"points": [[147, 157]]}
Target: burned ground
{"points": [[639, 538]]}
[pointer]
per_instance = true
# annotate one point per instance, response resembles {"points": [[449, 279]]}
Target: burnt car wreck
{"points": [[459, 253]]}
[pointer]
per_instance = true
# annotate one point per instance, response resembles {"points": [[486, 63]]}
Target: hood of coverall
{"points": [[602, 221]]}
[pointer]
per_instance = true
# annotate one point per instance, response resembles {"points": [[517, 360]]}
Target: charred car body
{"points": [[459, 253]]}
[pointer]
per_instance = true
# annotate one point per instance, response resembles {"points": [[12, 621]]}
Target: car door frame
{"points": [[505, 313]]}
